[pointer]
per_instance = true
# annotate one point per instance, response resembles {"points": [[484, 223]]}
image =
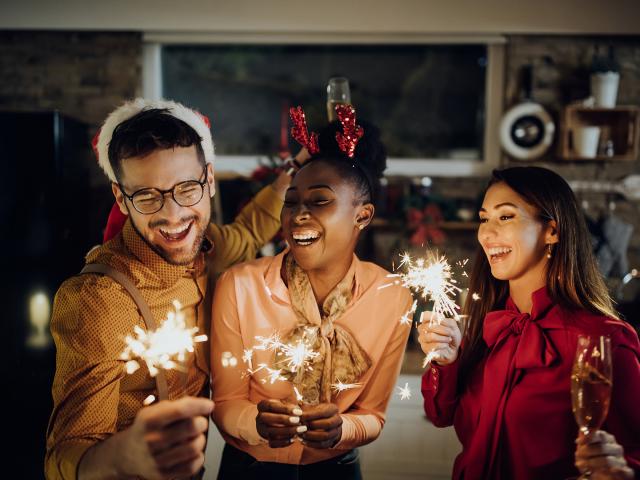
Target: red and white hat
{"points": [[194, 119]]}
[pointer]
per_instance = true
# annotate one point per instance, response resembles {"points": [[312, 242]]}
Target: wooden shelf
{"points": [[621, 125]]}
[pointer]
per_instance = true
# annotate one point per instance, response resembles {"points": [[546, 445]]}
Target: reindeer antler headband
{"points": [[347, 140]]}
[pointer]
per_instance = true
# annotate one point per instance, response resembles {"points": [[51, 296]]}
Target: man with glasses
{"points": [[159, 158]]}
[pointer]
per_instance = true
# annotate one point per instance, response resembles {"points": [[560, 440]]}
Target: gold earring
{"points": [[361, 227], [548, 250]]}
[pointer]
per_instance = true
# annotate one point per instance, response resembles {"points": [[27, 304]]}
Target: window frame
{"points": [[244, 164]]}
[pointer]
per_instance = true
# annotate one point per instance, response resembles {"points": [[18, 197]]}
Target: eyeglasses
{"points": [[151, 200]]}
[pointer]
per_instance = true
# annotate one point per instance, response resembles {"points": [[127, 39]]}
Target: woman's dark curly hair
{"points": [[366, 167]]}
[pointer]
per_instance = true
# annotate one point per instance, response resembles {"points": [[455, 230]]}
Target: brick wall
{"points": [[84, 75]]}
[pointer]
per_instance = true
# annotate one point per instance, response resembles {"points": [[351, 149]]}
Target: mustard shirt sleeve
{"points": [[254, 226], [88, 333]]}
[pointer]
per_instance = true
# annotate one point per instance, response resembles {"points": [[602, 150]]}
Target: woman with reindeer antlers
{"points": [[304, 417]]}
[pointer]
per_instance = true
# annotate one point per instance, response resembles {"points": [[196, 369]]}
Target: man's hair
{"points": [[148, 131]]}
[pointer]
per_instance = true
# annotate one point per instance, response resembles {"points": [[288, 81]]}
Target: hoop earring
{"points": [[548, 250]]}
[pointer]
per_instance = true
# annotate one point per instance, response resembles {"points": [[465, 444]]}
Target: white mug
{"points": [[604, 88], [585, 141]]}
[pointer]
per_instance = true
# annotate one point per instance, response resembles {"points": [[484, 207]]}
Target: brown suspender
{"points": [[161, 379]]}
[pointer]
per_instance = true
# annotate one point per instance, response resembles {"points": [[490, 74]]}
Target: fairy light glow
{"points": [[149, 400], [165, 348], [228, 360]]}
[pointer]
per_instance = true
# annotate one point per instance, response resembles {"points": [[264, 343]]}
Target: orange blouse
{"points": [[252, 300]]}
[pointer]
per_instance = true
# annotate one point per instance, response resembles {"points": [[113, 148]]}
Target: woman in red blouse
{"points": [[507, 390]]}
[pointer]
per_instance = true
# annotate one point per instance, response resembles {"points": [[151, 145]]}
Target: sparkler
{"points": [[291, 359], [432, 279], [165, 348], [341, 387], [407, 318], [404, 392]]}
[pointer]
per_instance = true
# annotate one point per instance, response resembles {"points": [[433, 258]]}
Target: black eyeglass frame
{"points": [[163, 193]]}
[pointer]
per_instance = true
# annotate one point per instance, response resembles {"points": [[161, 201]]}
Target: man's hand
{"points": [[324, 425], [601, 457], [165, 441], [278, 422], [443, 338]]}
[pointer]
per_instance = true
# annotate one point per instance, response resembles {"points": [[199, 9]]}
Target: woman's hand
{"points": [[324, 425], [443, 338], [601, 457], [279, 422]]}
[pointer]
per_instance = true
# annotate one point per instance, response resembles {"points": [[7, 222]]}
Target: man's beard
{"points": [[187, 258]]}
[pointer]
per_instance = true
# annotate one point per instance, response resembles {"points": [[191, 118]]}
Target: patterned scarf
{"points": [[340, 357]]}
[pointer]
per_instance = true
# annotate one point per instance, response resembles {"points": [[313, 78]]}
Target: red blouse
{"points": [[514, 416]]}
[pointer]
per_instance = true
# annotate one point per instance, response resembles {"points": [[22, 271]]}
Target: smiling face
{"points": [[514, 237], [174, 232], [321, 217]]}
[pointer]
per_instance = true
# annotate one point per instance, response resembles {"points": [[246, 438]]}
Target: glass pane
{"points": [[428, 100]]}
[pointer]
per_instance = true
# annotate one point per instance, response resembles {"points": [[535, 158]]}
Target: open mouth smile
{"points": [[498, 254], [176, 234], [304, 238]]}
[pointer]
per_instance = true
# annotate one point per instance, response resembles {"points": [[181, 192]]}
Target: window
{"points": [[430, 100]]}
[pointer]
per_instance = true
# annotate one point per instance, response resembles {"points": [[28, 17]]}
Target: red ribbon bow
{"points": [[424, 224]]}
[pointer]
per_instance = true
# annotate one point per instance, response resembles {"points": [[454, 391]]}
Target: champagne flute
{"points": [[591, 383], [338, 92]]}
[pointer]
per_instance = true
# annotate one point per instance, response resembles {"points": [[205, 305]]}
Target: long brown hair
{"points": [[573, 279]]}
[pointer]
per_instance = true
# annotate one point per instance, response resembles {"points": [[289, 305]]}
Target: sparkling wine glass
{"points": [[338, 92], [591, 382]]}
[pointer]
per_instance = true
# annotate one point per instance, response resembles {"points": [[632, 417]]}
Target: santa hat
{"points": [[195, 120]]}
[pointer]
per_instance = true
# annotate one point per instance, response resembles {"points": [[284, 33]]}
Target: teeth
{"points": [[175, 231], [498, 250], [305, 235]]}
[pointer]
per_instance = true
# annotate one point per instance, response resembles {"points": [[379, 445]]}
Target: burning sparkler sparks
{"points": [[404, 392], [165, 348], [407, 318], [341, 387], [294, 357], [432, 279]]}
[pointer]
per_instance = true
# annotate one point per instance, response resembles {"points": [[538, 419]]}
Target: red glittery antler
{"points": [[348, 140], [300, 132]]}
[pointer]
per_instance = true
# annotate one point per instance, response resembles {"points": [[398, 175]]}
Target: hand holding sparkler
{"points": [[279, 422], [324, 425], [439, 339], [165, 441]]}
